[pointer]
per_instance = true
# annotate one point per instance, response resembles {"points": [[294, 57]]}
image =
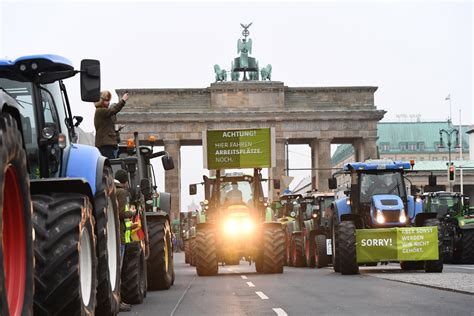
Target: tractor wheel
{"points": [[467, 244], [133, 287], [309, 246], [412, 265], [108, 245], [297, 251], [288, 251], [321, 257], [192, 252], [347, 248], [273, 250], [160, 262], [205, 253], [65, 254], [336, 262], [186, 251], [16, 230], [435, 265]]}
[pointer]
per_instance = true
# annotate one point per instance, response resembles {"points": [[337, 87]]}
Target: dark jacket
{"points": [[123, 199], [104, 123]]}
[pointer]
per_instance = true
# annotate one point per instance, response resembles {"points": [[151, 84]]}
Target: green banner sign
{"points": [[401, 244], [234, 149]]}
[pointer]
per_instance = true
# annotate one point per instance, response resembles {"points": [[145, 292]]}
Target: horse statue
{"points": [[266, 72], [221, 75]]}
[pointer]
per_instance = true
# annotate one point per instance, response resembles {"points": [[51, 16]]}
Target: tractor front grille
{"points": [[391, 216]]}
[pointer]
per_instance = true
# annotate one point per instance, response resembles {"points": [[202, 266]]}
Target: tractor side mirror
{"points": [[332, 183], [90, 80], [276, 184], [167, 162], [192, 189]]}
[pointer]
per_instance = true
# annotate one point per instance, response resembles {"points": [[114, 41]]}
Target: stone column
{"points": [[359, 149], [277, 171], [370, 144], [173, 177], [365, 148], [321, 161]]}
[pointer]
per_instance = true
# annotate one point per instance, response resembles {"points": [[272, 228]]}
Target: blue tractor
{"points": [[64, 190], [376, 198]]}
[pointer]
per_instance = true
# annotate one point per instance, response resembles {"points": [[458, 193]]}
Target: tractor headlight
{"points": [[379, 218], [462, 223], [403, 218], [231, 226], [247, 225]]}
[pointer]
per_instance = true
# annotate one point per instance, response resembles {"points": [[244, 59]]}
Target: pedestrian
{"points": [[126, 212], [105, 119]]}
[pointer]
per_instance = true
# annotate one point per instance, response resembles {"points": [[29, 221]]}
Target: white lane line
{"points": [[280, 311], [181, 298], [250, 284], [462, 267], [262, 296], [243, 277]]}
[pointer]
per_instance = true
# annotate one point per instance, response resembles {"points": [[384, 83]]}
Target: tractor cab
{"points": [[377, 196], [445, 204], [289, 208]]}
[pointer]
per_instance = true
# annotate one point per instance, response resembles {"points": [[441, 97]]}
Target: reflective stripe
{"points": [[128, 233]]}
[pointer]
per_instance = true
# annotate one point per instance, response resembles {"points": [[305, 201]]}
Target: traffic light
{"points": [[451, 173]]}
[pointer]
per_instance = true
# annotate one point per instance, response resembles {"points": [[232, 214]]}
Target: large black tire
{"points": [[205, 253], [65, 253], [273, 249], [16, 232], [297, 251], [347, 248], [412, 265], [288, 259], [309, 247], [435, 265], [321, 257], [192, 252], [467, 244], [133, 287], [160, 261], [186, 251], [336, 262], [108, 246]]}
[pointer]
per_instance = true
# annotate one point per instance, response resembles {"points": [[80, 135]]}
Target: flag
{"points": [[448, 97]]}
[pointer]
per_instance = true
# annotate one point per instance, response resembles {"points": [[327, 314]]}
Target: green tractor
{"points": [[457, 223], [188, 233], [148, 263], [287, 214], [315, 217], [235, 225]]}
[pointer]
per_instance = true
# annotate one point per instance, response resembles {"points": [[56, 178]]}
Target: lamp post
{"points": [[448, 133]]}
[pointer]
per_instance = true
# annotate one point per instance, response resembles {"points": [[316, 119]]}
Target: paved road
{"points": [[238, 290]]}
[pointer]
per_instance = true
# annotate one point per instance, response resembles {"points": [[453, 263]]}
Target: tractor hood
{"points": [[387, 202], [388, 211]]}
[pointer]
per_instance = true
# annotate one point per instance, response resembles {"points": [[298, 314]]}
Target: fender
{"points": [[272, 224], [341, 208], [414, 207], [61, 185], [202, 226], [86, 162]]}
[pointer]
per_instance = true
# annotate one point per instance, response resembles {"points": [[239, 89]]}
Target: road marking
{"points": [[262, 296], [462, 267], [181, 298], [243, 277], [250, 284], [280, 311]]}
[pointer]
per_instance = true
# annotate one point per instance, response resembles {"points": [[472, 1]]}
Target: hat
{"points": [[121, 175]]}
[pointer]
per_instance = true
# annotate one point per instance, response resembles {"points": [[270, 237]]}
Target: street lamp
{"points": [[449, 132]]}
